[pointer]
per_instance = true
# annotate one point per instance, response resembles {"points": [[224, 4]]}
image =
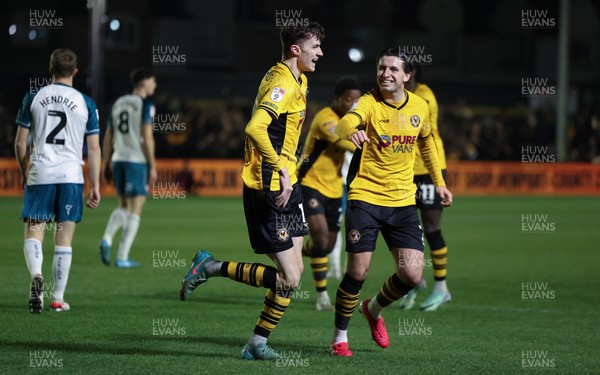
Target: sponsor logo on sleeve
{"points": [[277, 94]]}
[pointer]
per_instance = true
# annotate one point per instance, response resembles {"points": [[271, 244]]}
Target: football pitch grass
{"points": [[523, 273]]}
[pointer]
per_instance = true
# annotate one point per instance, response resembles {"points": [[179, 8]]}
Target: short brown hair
{"points": [[63, 63], [296, 34], [397, 52]]}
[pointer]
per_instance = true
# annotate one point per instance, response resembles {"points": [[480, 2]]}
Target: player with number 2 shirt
{"points": [[58, 118]]}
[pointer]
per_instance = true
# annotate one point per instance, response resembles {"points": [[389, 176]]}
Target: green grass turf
{"points": [[486, 329]]}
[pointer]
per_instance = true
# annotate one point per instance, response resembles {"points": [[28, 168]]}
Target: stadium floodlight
{"points": [[355, 54], [12, 29], [115, 24]]}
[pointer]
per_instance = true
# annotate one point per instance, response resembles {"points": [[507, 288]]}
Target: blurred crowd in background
{"points": [[478, 53], [214, 128]]}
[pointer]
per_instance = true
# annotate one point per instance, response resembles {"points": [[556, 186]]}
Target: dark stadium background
{"points": [[523, 170], [478, 52]]}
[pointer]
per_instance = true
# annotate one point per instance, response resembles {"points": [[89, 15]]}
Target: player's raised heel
{"points": [[324, 303], [378, 331], [36, 295], [334, 272], [196, 275], [435, 300], [60, 306], [341, 349], [128, 263], [408, 301], [105, 252], [262, 351]]}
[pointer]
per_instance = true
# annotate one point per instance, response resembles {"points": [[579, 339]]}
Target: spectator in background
{"points": [[185, 177]]}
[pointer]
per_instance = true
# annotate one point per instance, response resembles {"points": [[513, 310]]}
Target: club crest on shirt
{"points": [[313, 203], [354, 236], [277, 94], [415, 120]]}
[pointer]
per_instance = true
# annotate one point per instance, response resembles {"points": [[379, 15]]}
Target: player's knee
{"points": [[435, 239], [288, 282], [330, 246], [320, 245], [358, 274], [430, 227], [411, 279], [431, 220], [291, 283]]}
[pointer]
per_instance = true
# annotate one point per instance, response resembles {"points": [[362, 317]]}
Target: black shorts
{"points": [[272, 228], [427, 197], [316, 203], [399, 226]]}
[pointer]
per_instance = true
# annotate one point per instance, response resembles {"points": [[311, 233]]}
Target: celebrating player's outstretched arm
{"points": [[347, 129], [358, 138]]}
